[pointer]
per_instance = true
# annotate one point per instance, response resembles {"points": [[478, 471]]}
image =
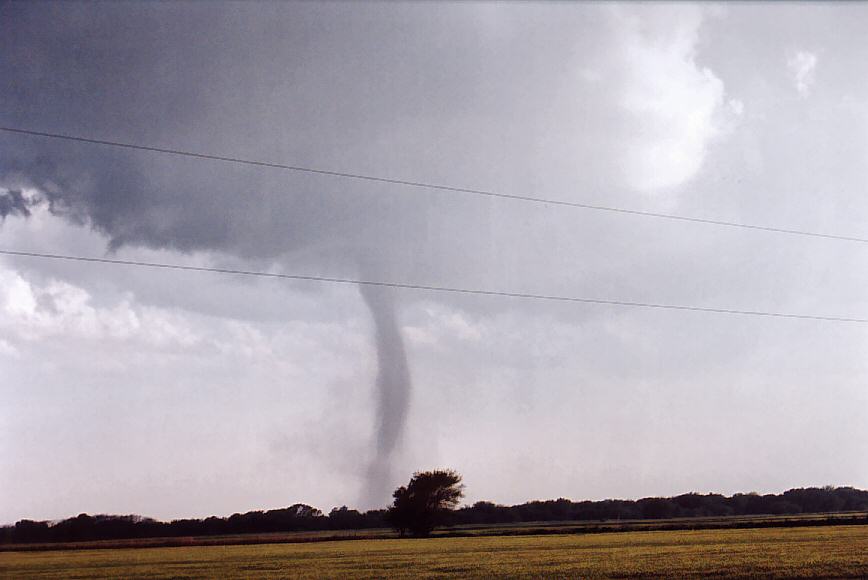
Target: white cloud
{"points": [[6, 349], [443, 324], [17, 296], [802, 66], [32, 312], [676, 106], [81, 352], [736, 106]]}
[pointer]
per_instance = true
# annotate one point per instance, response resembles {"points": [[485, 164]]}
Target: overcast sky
{"points": [[169, 394]]}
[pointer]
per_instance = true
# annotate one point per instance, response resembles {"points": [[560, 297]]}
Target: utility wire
{"points": [[439, 187], [452, 290]]}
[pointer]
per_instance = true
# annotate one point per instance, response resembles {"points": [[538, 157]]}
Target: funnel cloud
{"points": [[393, 392]]}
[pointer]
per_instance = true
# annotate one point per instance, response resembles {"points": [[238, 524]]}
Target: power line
{"points": [[438, 187], [452, 290]]}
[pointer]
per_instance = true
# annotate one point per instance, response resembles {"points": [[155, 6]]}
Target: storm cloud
{"points": [[670, 108]]}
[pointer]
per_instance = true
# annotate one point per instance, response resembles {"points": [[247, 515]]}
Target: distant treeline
{"points": [[300, 517]]}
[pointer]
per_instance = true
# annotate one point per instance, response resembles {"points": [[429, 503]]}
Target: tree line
{"points": [[301, 517]]}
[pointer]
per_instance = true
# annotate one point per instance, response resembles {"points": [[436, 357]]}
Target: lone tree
{"points": [[425, 502]]}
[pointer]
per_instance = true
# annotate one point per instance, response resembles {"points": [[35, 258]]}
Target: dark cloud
{"points": [[366, 89], [13, 202]]}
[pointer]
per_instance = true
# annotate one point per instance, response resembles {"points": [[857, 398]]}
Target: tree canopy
{"points": [[301, 517], [425, 502]]}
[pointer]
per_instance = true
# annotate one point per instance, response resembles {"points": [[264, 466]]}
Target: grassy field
{"points": [[800, 552]]}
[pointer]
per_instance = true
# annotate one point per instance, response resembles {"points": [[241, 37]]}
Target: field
{"points": [[807, 552]]}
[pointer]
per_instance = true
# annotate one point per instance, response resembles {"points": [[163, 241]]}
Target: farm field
{"points": [[803, 552]]}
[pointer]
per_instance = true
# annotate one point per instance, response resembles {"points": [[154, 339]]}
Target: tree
{"points": [[344, 518], [425, 502]]}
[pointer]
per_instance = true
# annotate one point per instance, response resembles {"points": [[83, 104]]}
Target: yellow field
{"points": [[807, 552]]}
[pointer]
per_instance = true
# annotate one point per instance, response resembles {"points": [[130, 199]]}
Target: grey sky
{"points": [[180, 394]]}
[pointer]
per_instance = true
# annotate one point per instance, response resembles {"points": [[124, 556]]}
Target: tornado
{"points": [[393, 387]]}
